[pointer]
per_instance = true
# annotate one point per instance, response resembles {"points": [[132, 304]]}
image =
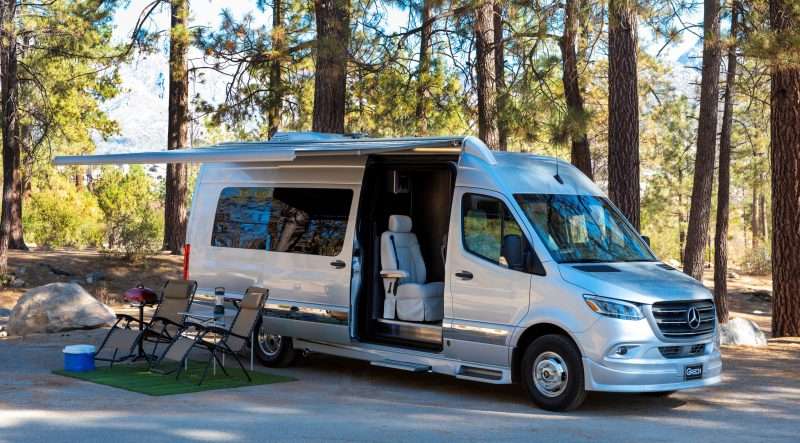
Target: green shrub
{"points": [[134, 217], [58, 215]]}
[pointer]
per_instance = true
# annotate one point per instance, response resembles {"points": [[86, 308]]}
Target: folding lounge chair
{"points": [[124, 338], [229, 341]]}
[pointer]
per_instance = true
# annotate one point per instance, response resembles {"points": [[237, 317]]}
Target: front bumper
{"points": [[644, 368], [650, 375]]}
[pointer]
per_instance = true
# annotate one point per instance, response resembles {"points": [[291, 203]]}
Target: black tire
{"points": [[561, 384], [271, 352], [660, 393]]}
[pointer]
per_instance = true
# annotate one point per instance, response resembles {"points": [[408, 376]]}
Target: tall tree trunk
{"points": [[580, 156], [275, 82], [17, 239], [484, 66], [623, 109], [424, 68], [785, 160], [333, 36], [178, 129], [9, 83], [700, 210], [754, 218], [724, 187], [500, 77]]}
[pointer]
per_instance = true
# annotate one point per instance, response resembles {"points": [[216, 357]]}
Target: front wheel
{"points": [[553, 373], [273, 350]]}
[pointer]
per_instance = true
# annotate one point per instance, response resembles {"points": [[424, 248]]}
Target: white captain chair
{"points": [[408, 297]]}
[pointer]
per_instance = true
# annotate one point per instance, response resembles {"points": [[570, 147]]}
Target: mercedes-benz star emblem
{"points": [[693, 318]]}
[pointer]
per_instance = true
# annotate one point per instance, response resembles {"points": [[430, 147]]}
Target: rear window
{"points": [[298, 220]]}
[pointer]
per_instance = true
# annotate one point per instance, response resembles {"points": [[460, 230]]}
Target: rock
{"points": [[732, 275], [94, 277], [740, 331], [17, 283], [57, 307]]}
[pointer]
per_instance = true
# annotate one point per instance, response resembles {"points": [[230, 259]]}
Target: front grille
{"points": [[673, 321], [682, 351]]}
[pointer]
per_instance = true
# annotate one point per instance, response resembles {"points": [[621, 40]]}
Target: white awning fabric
{"points": [[275, 151]]}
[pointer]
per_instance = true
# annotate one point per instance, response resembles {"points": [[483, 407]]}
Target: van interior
{"points": [[403, 222]]}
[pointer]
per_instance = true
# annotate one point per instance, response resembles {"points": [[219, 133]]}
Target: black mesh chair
{"points": [[125, 340], [230, 341]]}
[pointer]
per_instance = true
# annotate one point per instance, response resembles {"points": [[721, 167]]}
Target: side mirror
{"points": [[646, 240], [512, 251]]}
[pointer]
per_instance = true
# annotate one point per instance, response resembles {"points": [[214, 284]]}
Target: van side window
{"points": [[486, 222], [299, 220]]}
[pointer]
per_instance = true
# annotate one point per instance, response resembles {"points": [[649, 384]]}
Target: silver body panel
{"points": [[484, 318]]}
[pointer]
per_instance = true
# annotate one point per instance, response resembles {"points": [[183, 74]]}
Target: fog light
{"points": [[622, 351]]}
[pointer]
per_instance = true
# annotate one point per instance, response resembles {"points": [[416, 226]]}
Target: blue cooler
{"points": [[79, 358]]}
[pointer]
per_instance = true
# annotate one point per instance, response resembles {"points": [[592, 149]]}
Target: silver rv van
{"points": [[439, 255]]}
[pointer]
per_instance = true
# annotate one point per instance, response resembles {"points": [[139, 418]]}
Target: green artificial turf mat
{"points": [[136, 378]]}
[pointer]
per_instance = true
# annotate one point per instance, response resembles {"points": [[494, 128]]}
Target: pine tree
{"points": [[700, 211], [623, 109], [175, 200]]}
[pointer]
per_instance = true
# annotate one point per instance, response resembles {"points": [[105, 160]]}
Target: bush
{"points": [[59, 215], [757, 261], [133, 215]]}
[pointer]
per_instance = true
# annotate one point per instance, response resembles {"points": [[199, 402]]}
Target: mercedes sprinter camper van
{"points": [[439, 255]]}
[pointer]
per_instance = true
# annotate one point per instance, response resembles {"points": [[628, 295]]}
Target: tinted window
{"points": [[582, 229], [300, 220], [486, 221]]}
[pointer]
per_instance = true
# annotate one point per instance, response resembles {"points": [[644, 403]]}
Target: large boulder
{"points": [[57, 307], [741, 331]]}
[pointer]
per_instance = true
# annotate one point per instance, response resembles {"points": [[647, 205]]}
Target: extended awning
{"points": [[285, 149]]}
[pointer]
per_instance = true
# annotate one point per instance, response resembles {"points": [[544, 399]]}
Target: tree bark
{"points": [[178, 129], [333, 36], [500, 77], [785, 160], [485, 70], [424, 68], [724, 187], [9, 83], [275, 81], [700, 209], [17, 239], [580, 155], [623, 109]]}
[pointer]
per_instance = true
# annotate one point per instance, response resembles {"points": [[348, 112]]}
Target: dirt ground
{"points": [[37, 268]]}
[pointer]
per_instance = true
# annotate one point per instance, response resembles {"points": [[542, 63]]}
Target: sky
{"points": [[141, 109]]}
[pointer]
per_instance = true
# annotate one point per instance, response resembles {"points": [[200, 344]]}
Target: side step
{"points": [[482, 374], [404, 366]]}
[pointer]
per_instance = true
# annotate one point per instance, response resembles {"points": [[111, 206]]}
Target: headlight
{"points": [[613, 308]]}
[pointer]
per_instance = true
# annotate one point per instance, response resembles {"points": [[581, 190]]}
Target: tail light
{"points": [[186, 251]]}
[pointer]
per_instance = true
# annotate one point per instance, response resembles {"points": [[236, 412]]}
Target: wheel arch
{"points": [[527, 337]]}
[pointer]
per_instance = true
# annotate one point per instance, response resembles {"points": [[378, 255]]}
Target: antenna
{"points": [[558, 177]]}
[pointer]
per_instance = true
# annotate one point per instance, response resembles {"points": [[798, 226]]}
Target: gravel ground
{"points": [[339, 399]]}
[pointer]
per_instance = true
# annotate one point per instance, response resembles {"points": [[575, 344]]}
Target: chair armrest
{"points": [[394, 273]]}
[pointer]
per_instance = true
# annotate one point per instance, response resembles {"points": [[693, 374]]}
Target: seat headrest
{"points": [[399, 223]]}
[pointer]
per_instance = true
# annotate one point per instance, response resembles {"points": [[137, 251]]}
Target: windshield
{"points": [[582, 229]]}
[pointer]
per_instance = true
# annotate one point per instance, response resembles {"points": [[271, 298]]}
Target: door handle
{"points": [[464, 275], [338, 264]]}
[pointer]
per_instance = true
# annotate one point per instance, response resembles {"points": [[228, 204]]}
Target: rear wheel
{"points": [[272, 349], [553, 373]]}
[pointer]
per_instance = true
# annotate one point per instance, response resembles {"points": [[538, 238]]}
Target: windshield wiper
{"points": [[586, 260]]}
